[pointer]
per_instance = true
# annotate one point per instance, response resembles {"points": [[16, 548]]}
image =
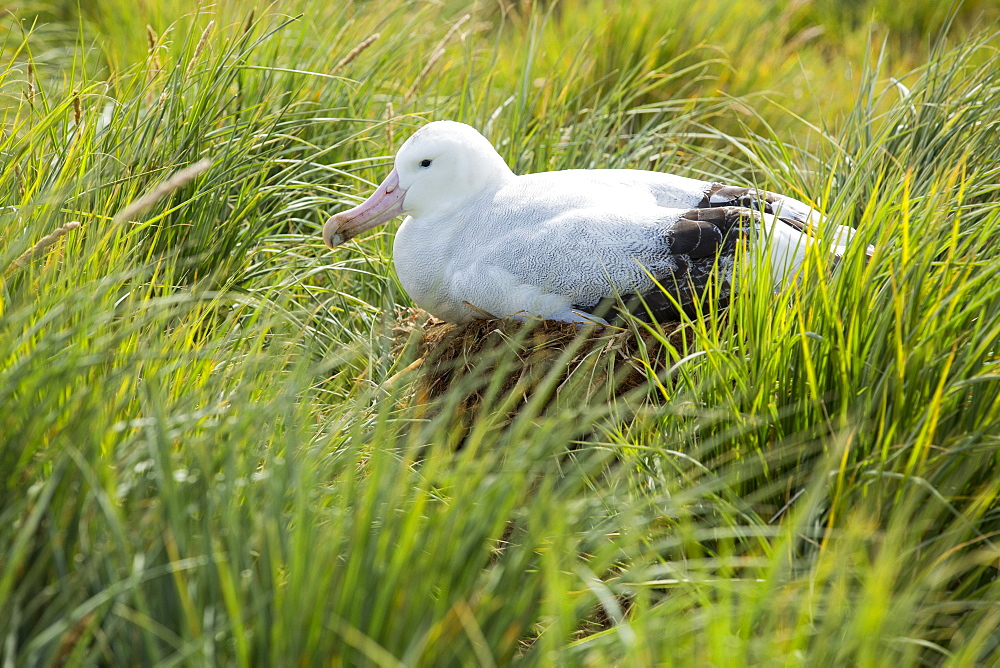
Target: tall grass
{"points": [[203, 459]]}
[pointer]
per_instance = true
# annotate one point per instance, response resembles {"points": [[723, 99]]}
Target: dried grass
{"points": [[453, 357]]}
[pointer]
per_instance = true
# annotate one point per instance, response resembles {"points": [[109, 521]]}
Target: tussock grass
{"points": [[202, 459]]}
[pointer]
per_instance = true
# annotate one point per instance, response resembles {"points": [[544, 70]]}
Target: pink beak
{"points": [[384, 204]]}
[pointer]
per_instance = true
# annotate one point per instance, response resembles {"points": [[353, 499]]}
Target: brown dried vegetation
{"points": [[493, 358]]}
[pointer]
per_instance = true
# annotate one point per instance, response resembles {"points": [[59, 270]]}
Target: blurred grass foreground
{"points": [[202, 457]]}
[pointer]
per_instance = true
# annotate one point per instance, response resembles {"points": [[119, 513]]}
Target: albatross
{"points": [[480, 241]]}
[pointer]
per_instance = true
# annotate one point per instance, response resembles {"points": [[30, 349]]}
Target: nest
{"points": [[497, 358]]}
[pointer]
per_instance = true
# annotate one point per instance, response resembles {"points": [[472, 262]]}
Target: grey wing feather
{"points": [[701, 245]]}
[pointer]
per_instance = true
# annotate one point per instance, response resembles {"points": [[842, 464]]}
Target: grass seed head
{"points": [[77, 109], [355, 52], [438, 53], [31, 84], [202, 43], [390, 114], [248, 24], [154, 63], [178, 179], [41, 245], [423, 74]]}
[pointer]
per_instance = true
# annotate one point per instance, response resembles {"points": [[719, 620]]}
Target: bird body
{"points": [[578, 246], [481, 240]]}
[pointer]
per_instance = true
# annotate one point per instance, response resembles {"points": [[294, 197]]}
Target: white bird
{"points": [[566, 245]]}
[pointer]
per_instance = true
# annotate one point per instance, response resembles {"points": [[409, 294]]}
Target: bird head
{"points": [[440, 168]]}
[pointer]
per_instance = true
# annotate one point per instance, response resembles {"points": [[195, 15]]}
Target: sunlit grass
{"points": [[203, 459]]}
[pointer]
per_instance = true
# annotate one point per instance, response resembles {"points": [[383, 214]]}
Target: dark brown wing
{"points": [[788, 210]]}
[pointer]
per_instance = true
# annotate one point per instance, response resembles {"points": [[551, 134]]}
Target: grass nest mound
{"points": [[497, 357]]}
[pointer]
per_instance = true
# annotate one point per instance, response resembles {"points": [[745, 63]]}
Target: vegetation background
{"points": [[202, 459]]}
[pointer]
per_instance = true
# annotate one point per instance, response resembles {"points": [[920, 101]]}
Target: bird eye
{"points": [[425, 163]]}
